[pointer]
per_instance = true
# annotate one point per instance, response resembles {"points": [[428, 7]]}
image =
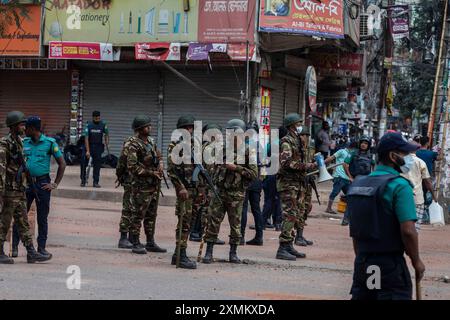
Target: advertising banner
{"points": [[200, 51], [122, 23], [343, 65], [226, 21], [80, 51], [311, 88], [23, 40], [323, 18], [399, 21], [158, 51]]}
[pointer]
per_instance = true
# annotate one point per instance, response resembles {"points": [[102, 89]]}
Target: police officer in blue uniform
{"points": [[382, 224], [38, 150], [94, 134]]}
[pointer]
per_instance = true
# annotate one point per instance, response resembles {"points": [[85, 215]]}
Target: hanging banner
{"points": [[158, 51], [26, 39], [81, 51], [343, 64], [323, 18], [200, 51], [399, 21], [311, 88], [227, 21], [238, 52]]}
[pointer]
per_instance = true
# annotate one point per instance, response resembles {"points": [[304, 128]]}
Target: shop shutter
{"points": [[292, 97], [42, 93], [120, 95], [182, 99], [277, 102]]}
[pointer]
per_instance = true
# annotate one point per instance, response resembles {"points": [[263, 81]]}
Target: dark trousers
{"points": [[42, 198], [395, 279], [339, 184], [272, 202], [96, 154], [253, 194]]}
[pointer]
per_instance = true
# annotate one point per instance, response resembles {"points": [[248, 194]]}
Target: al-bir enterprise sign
{"points": [[309, 17]]}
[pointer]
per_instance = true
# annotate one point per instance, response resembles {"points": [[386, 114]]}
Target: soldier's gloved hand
{"points": [[183, 194]]}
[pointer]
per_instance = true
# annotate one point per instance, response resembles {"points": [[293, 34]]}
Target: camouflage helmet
{"points": [[15, 117], [141, 121], [304, 131], [185, 121], [291, 119], [236, 124]]}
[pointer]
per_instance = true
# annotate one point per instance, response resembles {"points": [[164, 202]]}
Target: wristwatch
{"points": [[54, 185]]}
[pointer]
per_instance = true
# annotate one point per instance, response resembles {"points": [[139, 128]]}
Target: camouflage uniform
{"points": [[290, 184], [232, 186], [306, 197], [144, 185], [181, 177], [13, 190], [125, 219]]}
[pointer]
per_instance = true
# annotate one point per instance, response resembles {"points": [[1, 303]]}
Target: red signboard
{"points": [[344, 65], [226, 21], [161, 51], [80, 50], [323, 18]]}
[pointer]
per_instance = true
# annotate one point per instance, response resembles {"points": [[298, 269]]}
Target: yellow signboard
{"points": [[121, 22]]}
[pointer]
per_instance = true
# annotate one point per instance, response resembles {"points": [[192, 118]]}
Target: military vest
{"points": [[12, 173], [297, 154], [96, 131]]}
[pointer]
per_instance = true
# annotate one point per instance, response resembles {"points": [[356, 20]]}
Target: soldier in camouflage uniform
{"points": [[188, 195], [306, 201], [145, 167], [290, 184], [13, 202], [200, 220], [232, 180]]}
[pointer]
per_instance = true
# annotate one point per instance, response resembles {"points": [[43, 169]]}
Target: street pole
{"points": [[438, 76]]}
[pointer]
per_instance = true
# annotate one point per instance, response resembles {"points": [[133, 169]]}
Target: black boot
{"points": [[185, 262], [33, 256], [299, 240], [283, 252], [209, 253], [242, 241], [309, 243], [233, 255], [138, 247], [44, 252], [151, 245], [194, 236], [4, 259], [124, 243], [294, 252], [257, 240]]}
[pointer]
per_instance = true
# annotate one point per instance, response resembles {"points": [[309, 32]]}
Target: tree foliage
{"points": [[414, 78]]}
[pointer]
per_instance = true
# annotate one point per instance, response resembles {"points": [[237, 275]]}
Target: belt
{"points": [[40, 178]]}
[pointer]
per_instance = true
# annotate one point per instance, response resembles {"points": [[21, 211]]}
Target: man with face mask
{"points": [[13, 176], [290, 184], [94, 134], [382, 224]]}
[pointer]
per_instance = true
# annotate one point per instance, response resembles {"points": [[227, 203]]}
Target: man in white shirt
{"points": [[417, 175]]}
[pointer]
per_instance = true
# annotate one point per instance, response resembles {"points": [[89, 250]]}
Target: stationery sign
{"points": [[80, 50], [323, 18]]}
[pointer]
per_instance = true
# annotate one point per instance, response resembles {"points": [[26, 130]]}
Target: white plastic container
{"points": [[436, 214]]}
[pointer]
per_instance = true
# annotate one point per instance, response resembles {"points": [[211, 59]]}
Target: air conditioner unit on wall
{"points": [[365, 26]]}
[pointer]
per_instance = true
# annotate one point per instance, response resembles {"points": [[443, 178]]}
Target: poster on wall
{"points": [[311, 88], [227, 21], [323, 18], [158, 51], [80, 51]]}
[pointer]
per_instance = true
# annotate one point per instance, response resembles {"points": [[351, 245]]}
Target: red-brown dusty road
{"points": [[85, 233]]}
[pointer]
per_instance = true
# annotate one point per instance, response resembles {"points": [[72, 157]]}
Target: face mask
{"points": [[299, 130], [405, 163]]}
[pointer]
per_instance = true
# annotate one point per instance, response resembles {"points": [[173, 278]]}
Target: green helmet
{"points": [[141, 121], [211, 126], [305, 131], [291, 118], [236, 124], [185, 121], [15, 117]]}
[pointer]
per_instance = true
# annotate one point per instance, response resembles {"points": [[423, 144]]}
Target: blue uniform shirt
{"points": [[38, 155]]}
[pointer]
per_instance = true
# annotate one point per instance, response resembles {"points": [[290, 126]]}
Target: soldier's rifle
{"points": [[155, 161]]}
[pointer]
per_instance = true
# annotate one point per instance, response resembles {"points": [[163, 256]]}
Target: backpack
{"points": [[361, 165]]}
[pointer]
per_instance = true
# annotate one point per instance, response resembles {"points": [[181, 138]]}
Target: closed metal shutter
{"points": [[183, 99], [120, 95], [41, 93], [292, 97], [277, 102]]}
